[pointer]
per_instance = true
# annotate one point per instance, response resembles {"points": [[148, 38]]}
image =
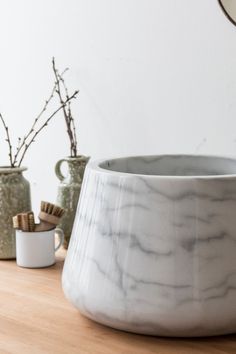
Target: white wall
{"points": [[154, 76]]}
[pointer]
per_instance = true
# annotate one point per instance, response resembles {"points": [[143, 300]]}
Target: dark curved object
{"points": [[226, 13]]}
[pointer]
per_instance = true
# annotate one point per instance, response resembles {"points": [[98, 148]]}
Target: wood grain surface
{"points": [[36, 318]]}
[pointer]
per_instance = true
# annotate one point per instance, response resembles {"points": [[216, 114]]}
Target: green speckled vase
{"points": [[14, 199], [69, 191]]}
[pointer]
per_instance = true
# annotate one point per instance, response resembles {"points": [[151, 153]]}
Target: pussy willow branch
{"points": [[69, 114], [64, 107], [22, 142], [66, 111], [8, 140], [44, 125]]}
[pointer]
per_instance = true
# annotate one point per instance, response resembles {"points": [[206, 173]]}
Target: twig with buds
{"points": [[29, 138], [25, 142], [70, 124], [44, 125], [8, 140], [22, 141]]}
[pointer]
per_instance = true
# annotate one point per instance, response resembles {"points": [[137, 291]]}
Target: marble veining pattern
{"points": [[154, 254]]}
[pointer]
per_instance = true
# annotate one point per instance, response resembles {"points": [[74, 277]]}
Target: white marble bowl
{"points": [[153, 248]]}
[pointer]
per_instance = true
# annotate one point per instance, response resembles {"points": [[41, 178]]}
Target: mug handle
{"points": [[60, 233], [58, 172]]}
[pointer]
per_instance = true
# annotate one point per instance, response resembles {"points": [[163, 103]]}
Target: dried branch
{"points": [[22, 143], [44, 125], [19, 143], [69, 115], [8, 140], [66, 109], [25, 142]]}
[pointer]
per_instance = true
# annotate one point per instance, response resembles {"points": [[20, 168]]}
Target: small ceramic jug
{"points": [[69, 191]]}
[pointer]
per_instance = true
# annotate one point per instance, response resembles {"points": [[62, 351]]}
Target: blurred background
{"points": [[156, 76]]}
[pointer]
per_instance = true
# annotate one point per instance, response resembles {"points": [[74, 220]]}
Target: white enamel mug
{"points": [[37, 249]]}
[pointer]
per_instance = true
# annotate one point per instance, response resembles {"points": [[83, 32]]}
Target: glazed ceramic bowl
{"points": [[153, 247]]}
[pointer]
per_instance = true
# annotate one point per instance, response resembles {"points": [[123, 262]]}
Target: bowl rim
{"points": [[96, 166]]}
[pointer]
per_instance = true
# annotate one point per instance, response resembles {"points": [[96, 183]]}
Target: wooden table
{"points": [[36, 318]]}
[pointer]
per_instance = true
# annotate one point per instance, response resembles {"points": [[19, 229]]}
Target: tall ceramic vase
{"points": [[14, 199], [69, 191]]}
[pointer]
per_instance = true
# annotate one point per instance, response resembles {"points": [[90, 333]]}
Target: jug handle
{"points": [[58, 172]]}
